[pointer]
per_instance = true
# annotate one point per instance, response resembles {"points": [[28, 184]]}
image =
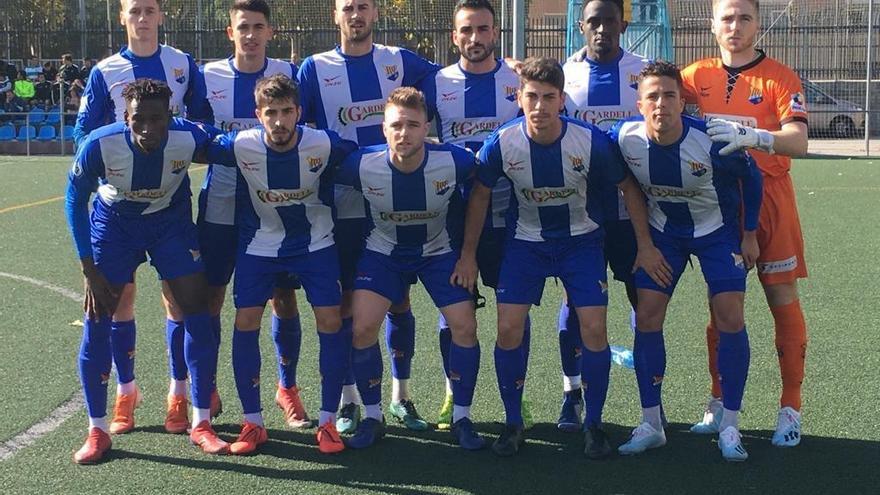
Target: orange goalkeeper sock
{"points": [[791, 347]]}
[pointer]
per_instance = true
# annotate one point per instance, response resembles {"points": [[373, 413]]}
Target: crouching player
{"points": [[145, 160], [554, 164], [285, 230], [410, 186], [694, 200]]}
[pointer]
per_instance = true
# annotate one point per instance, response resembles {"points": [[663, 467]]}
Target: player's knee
{"points": [[363, 334], [781, 294], [328, 322], [215, 302], [729, 321], [594, 334], [248, 319], [464, 332], [125, 308], [510, 334]]}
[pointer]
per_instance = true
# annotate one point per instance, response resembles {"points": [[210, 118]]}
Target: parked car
{"points": [[830, 116]]}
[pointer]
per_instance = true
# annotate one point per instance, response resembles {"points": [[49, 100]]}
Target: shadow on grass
{"points": [[551, 462]]}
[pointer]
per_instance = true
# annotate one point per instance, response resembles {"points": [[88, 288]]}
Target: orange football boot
{"points": [[251, 437], [123, 412], [294, 412], [97, 444], [176, 420], [329, 441], [206, 438]]}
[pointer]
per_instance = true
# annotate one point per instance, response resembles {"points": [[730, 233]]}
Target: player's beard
{"points": [[488, 51], [280, 139], [364, 34]]}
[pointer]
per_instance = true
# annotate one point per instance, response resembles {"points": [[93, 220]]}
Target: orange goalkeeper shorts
{"points": [[779, 234]]}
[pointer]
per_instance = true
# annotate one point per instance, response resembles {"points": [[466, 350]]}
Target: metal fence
{"points": [[826, 41]]}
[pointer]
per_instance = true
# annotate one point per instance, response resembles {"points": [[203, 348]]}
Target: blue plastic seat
{"points": [[26, 132], [47, 133], [37, 116], [53, 118], [7, 132], [68, 132]]}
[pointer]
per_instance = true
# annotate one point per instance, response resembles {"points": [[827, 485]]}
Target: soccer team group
{"points": [[323, 178]]}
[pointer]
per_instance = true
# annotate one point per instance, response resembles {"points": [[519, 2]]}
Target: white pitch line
{"points": [[61, 413]]}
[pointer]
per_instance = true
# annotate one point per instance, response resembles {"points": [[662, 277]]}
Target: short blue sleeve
{"points": [[308, 90], [428, 86], [489, 164], [416, 68], [339, 149], [221, 150], [606, 162], [465, 165], [348, 173], [196, 98]]}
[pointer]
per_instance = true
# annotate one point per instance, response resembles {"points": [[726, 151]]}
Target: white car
{"points": [[832, 117]]}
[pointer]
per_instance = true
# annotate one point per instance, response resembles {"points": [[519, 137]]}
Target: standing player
{"points": [[762, 103], [469, 100], [145, 160], [600, 88], [345, 90], [410, 187], [694, 200], [553, 164], [102, 103], [285, 230], [230, 85]]}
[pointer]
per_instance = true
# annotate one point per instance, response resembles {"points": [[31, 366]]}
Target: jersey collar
{"points": [[760, 58]]}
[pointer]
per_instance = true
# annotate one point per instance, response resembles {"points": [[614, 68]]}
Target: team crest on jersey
{"points": [[178, 166], [510, 93], [315, 163], [391, 72], [697, 169], [179, 76], [756, 96], [577, 163], [441, 187], [797, 103]]}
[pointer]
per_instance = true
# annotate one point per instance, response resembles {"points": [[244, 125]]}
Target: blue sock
{"points": [[464, 362], [123, 335], [217, 329], [510, 371], [596, 366], [733, 366], [287, 334], [200, 351], [570, 344], [400, 338], [526, 345], [367, 367], [649, 354], [345, 331], [174, 332], [445, 336], [246, 363], [95, 359], [334, 358]]}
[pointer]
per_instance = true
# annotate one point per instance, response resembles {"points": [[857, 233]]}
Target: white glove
{"points": [[738, 136], [109, 194]]}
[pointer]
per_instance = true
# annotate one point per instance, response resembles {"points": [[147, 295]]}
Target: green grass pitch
{"points": [[840, 453]]}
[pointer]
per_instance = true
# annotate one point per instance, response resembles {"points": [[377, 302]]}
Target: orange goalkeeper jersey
{"points": [[764, 94]]}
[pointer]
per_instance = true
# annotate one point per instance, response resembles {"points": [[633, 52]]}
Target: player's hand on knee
{"points": [[750, 249], [101, 298], [465, 273], [655, 265]]}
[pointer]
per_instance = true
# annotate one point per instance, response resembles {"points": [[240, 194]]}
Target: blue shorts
{"points": [[390, 277], [219, 244], [620, 249], [256, 276], [490, 251], [120, 244], [720, 259], [350, 235], [577, 261]]}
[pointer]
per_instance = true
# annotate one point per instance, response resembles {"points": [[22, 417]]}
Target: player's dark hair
{"points": [[661, 68], [617, 3], [261, 6], [407, 97], [147, 89], [276, 87], [543, 70], [122, 4], [67, 58], [473, 5], [755, 3]]}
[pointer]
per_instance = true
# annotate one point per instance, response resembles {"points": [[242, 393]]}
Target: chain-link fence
{"points": [[825, 41]]}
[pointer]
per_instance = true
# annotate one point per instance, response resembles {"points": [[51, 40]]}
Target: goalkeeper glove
{"points": [[738, 136]]}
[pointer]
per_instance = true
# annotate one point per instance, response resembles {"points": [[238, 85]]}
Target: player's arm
{"points": [[196, 99], [215, 147], [416, 68], [751, 184], [348, 173], [94, 108], [101, 297], [488, 171], [306, 78]]}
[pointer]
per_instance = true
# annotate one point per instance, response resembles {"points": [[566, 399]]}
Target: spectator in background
{"points": [[88, 63], [5, 84], [43, 94], [73, 98], [24, 88], [11, 71], [50, 71], [14, 104], [68, 71]]}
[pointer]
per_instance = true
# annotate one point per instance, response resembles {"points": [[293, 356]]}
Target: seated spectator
{"points": [[73, 99], [14, 104], [24, 88], [88, 64], [68, 71], [43, 93], [50, 71], [5, 84]]}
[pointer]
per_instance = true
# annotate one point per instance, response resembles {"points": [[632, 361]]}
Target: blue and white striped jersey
{"points": [[102, 102], [553, 185], [409, 212], [287, 207], [692, 190], [467, 108], [603, 94], [347, 95], [230, 94], [144, 183]]}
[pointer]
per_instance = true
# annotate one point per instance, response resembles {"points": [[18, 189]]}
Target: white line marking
{"points": [[61, 413]]}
